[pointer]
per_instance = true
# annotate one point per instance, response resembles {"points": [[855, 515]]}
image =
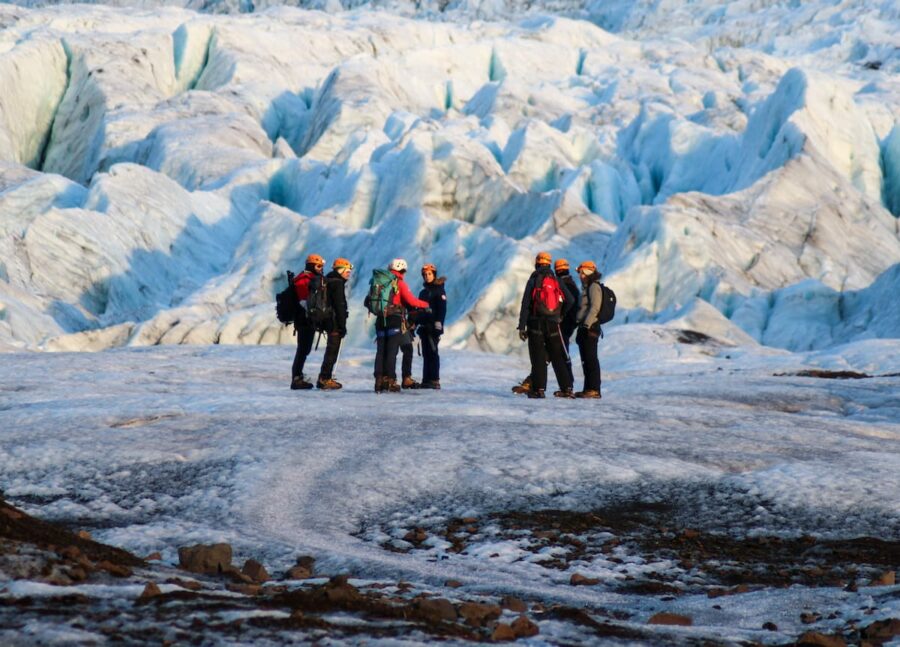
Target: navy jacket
{"points": [[436, 297], [570, 320]]}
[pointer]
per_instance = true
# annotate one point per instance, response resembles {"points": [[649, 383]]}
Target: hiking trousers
{"points": [[305, 336], [545, 342], [590, 364], [406, 352], [387, 345], [431, 361], [332, 349]]}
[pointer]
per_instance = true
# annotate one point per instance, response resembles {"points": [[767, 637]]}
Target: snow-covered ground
{"points": [[160, 169], [156, 448]]}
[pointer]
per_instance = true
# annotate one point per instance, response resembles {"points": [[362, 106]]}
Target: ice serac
{"points": [[808, 206], [890, 155], [33, 76], [112, 80]]}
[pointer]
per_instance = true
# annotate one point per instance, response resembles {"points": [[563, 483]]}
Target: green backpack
{"points": [[382, 288]]}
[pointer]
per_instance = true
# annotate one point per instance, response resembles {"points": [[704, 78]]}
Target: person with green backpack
{"points": [[388, 298]]}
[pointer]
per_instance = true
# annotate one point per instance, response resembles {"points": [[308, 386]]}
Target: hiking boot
{"points": [[565, 393], [535, 394], [299, 383], [431, 384], [524, 387], [409, 383], [328, 384], [390, 384], [379, 384], [589, 393]]}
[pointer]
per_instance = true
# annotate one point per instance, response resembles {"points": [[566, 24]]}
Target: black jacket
{"points": [[436, 297], [570, 320], [337, 298], [526, 316]]}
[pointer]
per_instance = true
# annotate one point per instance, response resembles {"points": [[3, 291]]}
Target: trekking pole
{"points": [[318, 339], [565, 350], [419, 347]]}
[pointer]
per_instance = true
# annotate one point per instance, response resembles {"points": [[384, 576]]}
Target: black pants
{"points": [[305, 336], [388, 343], [431, 360], [545, 341], [590, 364], [332, 349], [406, 352]]}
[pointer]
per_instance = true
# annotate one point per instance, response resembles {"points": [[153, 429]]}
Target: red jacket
{"points": [[403, 295]]}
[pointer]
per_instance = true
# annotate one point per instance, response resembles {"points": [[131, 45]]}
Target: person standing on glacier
{"points": [[388, 299], [431, 325], [308, 280], [589, 328], [544, 303], [335, 326], [568, 324]]}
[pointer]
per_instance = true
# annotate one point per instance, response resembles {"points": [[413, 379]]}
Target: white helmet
{"points": [[398, 265]]}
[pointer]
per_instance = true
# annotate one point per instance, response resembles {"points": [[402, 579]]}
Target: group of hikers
{"points": [[552, 310]]}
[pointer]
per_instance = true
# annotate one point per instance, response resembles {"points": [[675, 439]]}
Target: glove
{"points": [[427, 310], [523, 335], [438, 327]]}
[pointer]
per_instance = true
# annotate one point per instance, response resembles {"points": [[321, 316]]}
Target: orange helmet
{"points": [[315, 259], [561, 264], [429, 267], [543, 258], [342, 264], [588, 267]]}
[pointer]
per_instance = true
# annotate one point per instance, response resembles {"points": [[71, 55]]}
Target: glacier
{"points": [[160, 169]]}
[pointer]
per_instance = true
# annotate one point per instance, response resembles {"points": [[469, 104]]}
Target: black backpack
{"points": [[286, 303], [318, 307], [608, 309]]}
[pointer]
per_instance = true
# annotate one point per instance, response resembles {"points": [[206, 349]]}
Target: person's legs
{"points": [[431, 360], [406, 350], [332, 349], [557, 355], [590, 364], [305, 336], [391, 348], [537, 353]]}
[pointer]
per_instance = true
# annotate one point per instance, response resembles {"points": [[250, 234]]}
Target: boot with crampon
{"points": [[564, 393], [299, 383], [328, 384], [523, 387], [410, 383], [389, 384], [589, 394]]}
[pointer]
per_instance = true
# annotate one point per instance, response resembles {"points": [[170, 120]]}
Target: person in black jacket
{"points": [[336, 326], [569, 322], [303, 327], [431, 325], [540, 327]]}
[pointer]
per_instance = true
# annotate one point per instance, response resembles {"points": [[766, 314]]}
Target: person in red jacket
{"points": [[390, 330]]}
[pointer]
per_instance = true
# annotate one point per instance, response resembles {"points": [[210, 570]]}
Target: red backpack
{"points": [[301, 285], [547, 297]]}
